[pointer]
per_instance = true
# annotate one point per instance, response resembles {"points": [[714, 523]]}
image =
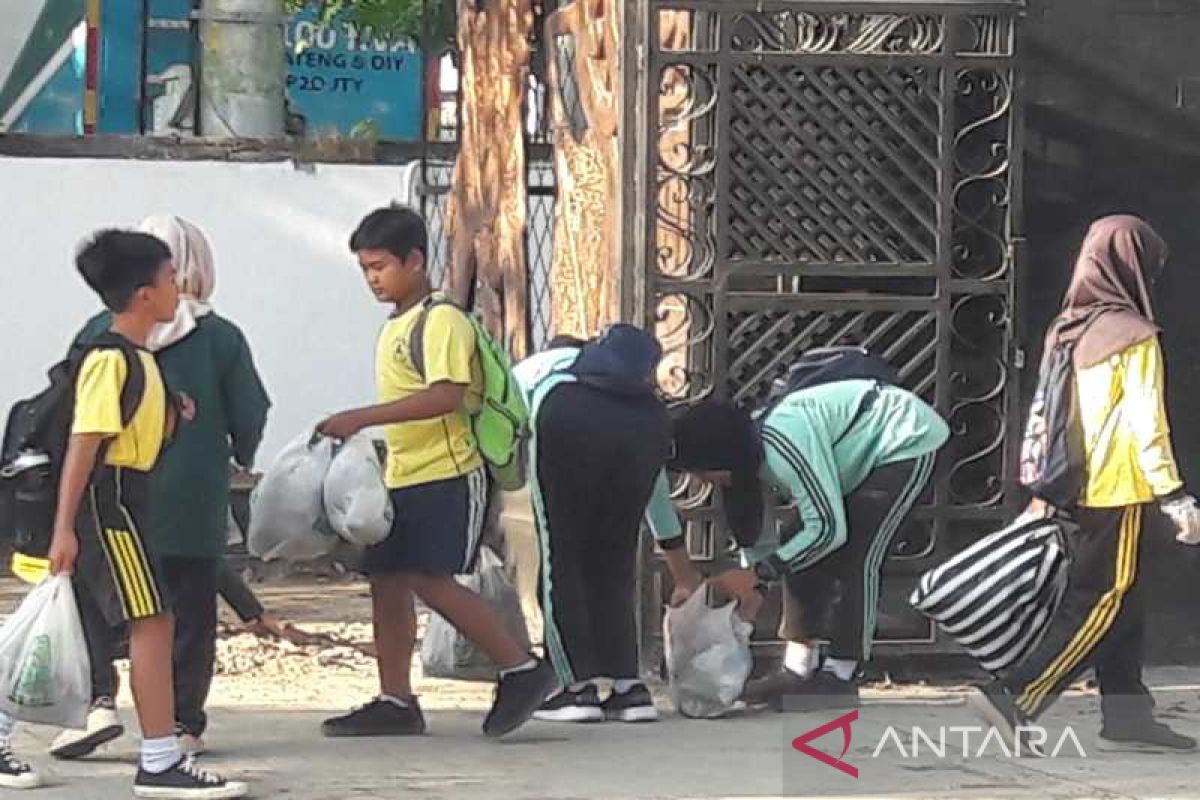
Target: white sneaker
{"points": [[103, 725], [191, 745], [16, 774]]}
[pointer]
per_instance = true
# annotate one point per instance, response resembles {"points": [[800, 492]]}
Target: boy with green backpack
{"points": [[445, 401]]}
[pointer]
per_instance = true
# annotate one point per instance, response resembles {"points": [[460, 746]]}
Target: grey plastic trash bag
{"points": [[356, 499], [708, 656], [287, 508], [45, 675], [446, 653]]}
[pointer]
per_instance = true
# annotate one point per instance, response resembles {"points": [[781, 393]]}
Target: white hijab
{"points": [[194, 275]]}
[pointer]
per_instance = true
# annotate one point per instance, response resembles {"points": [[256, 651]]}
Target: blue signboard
{"points": [[339, 78]]}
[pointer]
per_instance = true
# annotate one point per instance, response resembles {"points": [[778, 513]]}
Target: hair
{"points": [[116, 263], [717, 435], [396, 229]]}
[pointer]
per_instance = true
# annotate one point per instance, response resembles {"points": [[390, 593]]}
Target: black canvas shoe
{"points": [[995, 705], [822, 691], [635, 705], [184, 780], [102, 726], [380, 717], [518, 695], [568, 706], [1146, 736], [768, 690], [16, 774]]}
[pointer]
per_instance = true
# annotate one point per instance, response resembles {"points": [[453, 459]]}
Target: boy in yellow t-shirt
{"points": [[438, 487], [98, 530]]}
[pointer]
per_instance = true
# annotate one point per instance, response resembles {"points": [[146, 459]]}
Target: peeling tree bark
{"points": [[487, 206], [582, 41]]}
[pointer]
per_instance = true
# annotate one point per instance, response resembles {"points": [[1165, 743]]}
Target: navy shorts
{"points": [[436, 530]]}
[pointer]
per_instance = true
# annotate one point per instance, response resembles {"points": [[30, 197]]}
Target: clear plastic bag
{"points": [[356, 499], [446, 653], [45, 674], [708, 656], [287, 509]]}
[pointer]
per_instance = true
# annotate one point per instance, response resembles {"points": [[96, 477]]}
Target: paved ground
{"points": [[281, 754]]}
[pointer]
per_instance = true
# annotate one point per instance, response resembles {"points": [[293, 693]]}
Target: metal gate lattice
{"points": [[820, 172]]}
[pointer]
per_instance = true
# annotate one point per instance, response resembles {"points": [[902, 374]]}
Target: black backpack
{"points": [[35, 444], [1052, 452], [823, 365], [622, 360]]}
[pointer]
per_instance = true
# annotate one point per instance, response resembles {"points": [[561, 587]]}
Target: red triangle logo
{"points": [[843, 723]]}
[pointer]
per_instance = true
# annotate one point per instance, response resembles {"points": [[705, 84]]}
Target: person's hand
{"points": [[681, 594], [186, 406], [740, 584], [1185, 514], [341, 426], [64, 551]]}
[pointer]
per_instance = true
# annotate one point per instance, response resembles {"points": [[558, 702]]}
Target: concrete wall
{"points": [[284, 273]]}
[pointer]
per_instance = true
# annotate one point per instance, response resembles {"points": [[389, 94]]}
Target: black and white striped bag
{"points": [[997, 597]]}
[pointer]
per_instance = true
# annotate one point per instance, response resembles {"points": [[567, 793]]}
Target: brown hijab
{"points": [[1107, 306]]}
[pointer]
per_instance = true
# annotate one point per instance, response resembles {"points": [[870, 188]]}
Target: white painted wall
{"points": [[284, 273]]}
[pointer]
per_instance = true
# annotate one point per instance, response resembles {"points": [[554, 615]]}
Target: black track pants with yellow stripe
{"points": [[1099, 624]]}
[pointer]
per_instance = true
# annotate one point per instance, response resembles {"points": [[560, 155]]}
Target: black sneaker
{"points": [[822, 691], [568, 706], [635, 705], [379, 717], [994, 704], [518, 695], [1146, 736], [16, 774], [102, 726], [184, 780], [768, 691]]}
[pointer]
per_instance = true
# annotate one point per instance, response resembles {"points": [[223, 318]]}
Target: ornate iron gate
{"points": [[819, 172]]}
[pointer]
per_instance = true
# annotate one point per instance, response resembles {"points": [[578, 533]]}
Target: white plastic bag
{"points": [[45, 675], [356, 499], [708, 656], [287, 509], [446, 653]]}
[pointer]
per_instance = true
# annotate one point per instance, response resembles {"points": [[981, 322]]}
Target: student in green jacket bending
{"points": [[853, 456]]}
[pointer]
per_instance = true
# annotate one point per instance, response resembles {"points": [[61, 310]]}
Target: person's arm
{"points": [[80, 461], [1146, 415], [449, 344], [240, 597], [819, 503], [664, 525], [246, 402], [97, 418]]}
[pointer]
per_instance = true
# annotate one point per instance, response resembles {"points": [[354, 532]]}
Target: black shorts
{"points": [[436, 530], [117, 564]]}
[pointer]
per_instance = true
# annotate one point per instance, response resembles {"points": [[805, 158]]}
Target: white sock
{"points": [[625, 685], [842, 667], [528, 665], [800, 658], [395, 700], [159, 755], [7, 724]]}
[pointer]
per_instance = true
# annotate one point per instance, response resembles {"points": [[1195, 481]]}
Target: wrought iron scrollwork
{"points": [[814, 32]]}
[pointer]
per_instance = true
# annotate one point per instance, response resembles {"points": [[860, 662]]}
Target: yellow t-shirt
{"points": [[437, 449], [1126, 435], [98, 409]]}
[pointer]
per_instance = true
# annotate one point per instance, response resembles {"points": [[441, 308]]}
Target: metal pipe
{"points": [[243, 76]]}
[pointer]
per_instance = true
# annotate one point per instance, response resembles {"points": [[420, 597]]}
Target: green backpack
{"points": [[501, 425]]}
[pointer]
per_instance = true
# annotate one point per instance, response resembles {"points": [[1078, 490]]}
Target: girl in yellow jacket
{"points": [[1129, 464]]}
